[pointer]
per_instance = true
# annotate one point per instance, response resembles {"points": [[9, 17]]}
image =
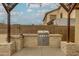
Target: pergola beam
{"points": [[9, 8], [13, 6], [5, 7], [64, 7], [73, 6]]}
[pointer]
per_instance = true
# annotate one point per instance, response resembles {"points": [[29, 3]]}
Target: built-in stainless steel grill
{"points": [[43, 38]]}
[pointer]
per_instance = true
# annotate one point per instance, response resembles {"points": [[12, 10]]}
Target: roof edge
{"points": [[50, 12]]}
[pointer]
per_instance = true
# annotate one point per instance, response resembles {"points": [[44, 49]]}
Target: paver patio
{"points": [[40, 51]]}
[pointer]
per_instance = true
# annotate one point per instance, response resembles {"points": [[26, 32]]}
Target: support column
{"points": [[68, 40], [8, 26]]}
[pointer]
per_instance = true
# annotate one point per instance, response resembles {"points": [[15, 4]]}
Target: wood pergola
{"points": [[10, 6], [69, 8]]}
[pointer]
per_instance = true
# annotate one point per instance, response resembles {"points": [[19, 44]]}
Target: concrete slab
{"points": [[40, 51]]}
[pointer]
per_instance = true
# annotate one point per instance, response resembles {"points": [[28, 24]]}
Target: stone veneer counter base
{"points": [[29, 41], [7, 49], [70, 49]]}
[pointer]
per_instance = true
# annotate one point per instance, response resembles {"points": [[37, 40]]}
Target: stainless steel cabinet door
{"points": [[43, 40]]}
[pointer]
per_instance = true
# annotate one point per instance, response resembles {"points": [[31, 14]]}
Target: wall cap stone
{"points": [[30, 35], [55, 35]]}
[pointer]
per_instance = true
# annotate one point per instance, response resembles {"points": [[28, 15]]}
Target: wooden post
{"points": [[9, 27], [68, 39]]}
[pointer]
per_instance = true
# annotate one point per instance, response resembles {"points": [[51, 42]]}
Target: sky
{"points": [[27, 14]]}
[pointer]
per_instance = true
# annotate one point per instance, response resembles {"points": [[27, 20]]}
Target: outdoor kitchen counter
{"points": [[31, 40]]}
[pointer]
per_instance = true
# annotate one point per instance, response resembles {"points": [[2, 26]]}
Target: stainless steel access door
{"points": [[43, 39]]}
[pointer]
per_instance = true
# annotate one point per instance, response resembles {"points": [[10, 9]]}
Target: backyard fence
{"points": [[32, 29]]}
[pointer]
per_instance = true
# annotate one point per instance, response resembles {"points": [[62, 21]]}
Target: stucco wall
{"points": [[58, 14], [47, 19], [52, 13], [63, 11], [77, 27]]}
